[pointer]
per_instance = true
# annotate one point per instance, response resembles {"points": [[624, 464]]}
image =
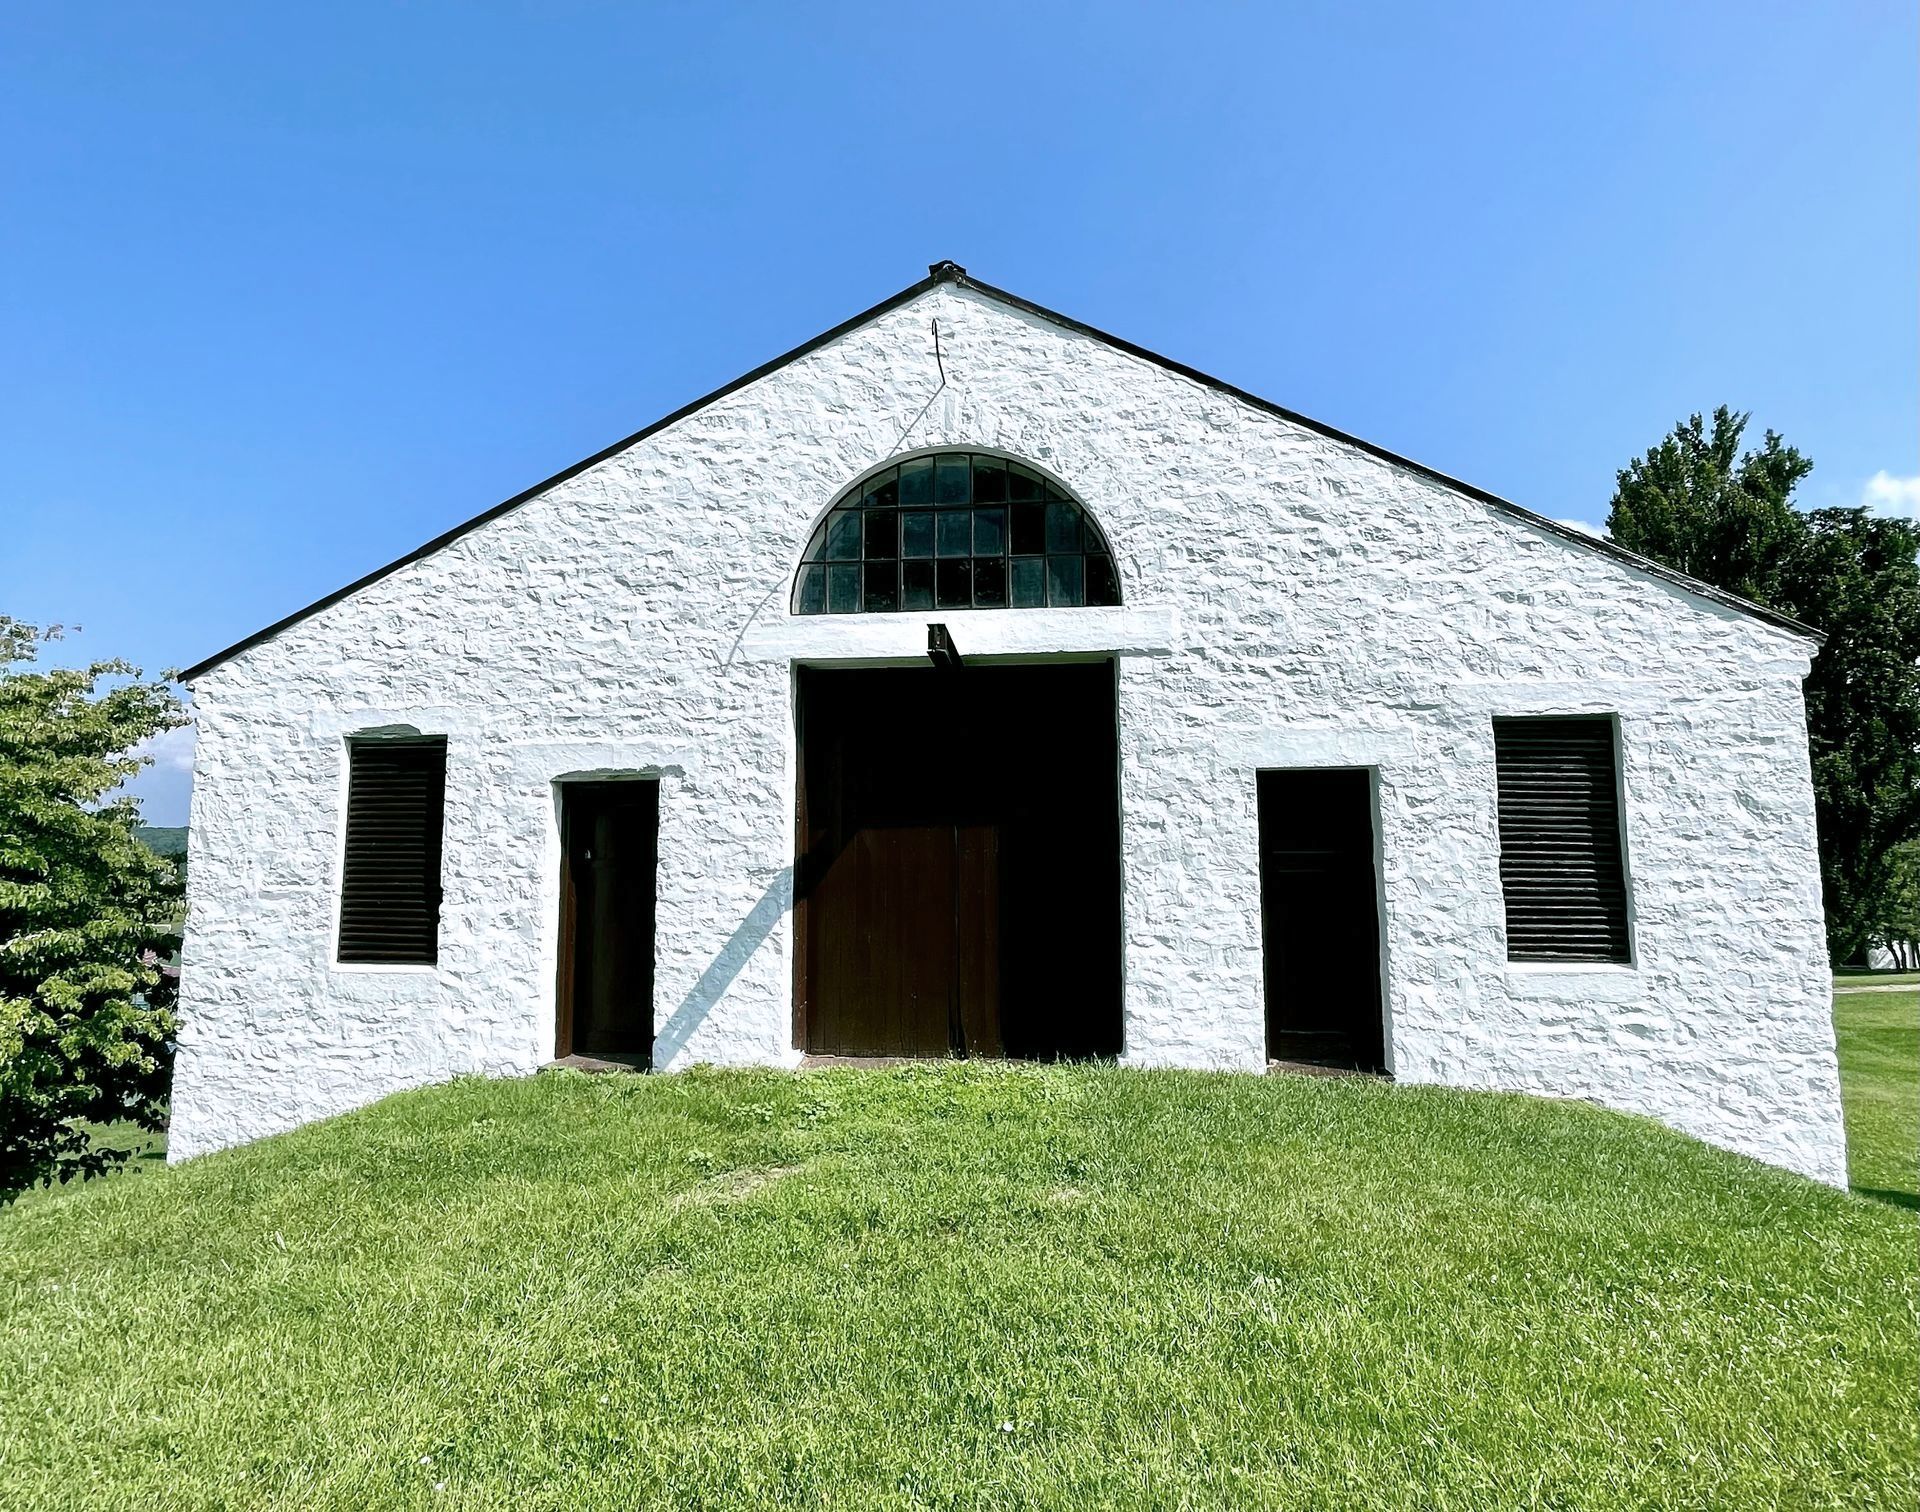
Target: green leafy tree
{"points": [[1857, 578], [1698, 503], [87, 913]]}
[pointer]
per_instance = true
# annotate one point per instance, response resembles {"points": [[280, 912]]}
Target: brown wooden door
{"points": [[903, 927], [958, 867], [610, 834]]}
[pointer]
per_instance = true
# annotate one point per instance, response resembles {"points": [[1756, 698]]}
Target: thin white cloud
{"points": [[1885, 494], [1584, 528], [171, 750], [165, 788]]}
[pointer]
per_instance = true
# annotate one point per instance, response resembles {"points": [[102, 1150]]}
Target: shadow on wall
{"points": [[671, 1037]]}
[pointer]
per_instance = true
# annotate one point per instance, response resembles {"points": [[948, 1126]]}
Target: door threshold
{"points": [[825, 1061], [1322, 1068], [606, 1062]]}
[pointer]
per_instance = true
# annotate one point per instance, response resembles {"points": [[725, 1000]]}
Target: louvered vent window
{"points": [[390, 888], [1560, 861]]}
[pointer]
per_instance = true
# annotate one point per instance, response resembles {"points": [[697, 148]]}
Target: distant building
{"points": [[971, 682]]}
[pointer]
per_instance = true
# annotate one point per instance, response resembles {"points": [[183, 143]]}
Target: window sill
{"points": [[1574, 982]]}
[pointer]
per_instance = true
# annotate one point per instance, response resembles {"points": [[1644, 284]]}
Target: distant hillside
{"points": [[162, 840]]}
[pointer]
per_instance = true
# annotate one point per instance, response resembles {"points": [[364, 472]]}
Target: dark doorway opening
{"points": [[610, 839], [1320, 919], [958, 882]]}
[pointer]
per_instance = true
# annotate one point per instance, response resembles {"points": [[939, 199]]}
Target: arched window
{"points": [[961, 530]]}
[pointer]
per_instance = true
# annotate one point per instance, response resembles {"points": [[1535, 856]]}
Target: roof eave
{"points": [[446, 538], [1605, 547], [948, 272]]}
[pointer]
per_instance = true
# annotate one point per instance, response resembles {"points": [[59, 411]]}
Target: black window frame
{"points": [[390, 895], [1561, 811], [953, 530]]}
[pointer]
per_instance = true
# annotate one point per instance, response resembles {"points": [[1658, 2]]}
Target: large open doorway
{"points": [[958, 882], [610, 838], [1319, 904]]}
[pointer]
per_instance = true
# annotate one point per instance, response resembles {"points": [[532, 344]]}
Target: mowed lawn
{"points": [[961, 1286], [1877, 1022]]}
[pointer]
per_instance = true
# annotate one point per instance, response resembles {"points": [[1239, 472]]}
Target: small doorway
{"points": [[610, 840], [1320, 919], [958, 881]]}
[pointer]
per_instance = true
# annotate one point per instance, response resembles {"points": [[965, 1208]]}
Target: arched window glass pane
{"points": [[955, 531]]}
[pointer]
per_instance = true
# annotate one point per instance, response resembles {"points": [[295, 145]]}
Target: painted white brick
{"points": [[1290, 600]]}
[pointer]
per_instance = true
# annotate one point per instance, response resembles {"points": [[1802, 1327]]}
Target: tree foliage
{"points": [[87, 913], [1698, 503], [1856, 577]]}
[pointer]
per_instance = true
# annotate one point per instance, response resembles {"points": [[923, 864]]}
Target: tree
{"points": [[87, 913], [1696, 502], [1856, 577]]}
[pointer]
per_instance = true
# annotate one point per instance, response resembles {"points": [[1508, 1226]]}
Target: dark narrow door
{"points": [[611, 833], [1320, 918]]}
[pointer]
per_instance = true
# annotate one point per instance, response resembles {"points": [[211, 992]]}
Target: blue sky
{"points": [[285, 291]]}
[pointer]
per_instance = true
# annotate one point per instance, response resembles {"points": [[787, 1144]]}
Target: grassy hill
{"points": [[960, 1286]]}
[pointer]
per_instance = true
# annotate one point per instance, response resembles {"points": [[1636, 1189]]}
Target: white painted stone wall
{"points": [[1290, 600]]}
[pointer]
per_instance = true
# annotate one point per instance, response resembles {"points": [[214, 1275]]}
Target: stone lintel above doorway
{"points": [[1119, 631]]}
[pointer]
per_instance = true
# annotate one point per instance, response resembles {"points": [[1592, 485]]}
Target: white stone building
{"points": [[972, 681]]}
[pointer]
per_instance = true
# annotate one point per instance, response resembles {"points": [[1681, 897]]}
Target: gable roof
{"points": [[953, 273]]}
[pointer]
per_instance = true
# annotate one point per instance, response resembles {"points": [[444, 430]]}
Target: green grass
{"points": [[960, 1286], [1879, 1037], [1876, 978], [144, 1148]]}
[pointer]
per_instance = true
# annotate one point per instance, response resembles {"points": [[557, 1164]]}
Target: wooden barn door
{"points": [[902, 944], [900, 873], [958, 878]]}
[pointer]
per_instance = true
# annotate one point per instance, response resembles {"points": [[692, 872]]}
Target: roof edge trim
{"points": [[447, 538], [950, 273], [1604, 547]]}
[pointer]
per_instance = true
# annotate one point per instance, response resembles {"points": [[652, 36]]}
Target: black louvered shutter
{"points": [[390, 887], [1560, 862]]}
